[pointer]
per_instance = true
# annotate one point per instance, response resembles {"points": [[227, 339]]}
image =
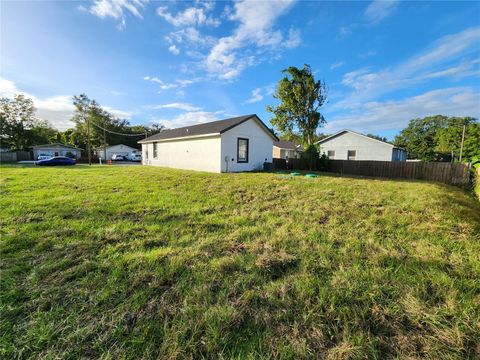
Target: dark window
{"points": [[242, 150], [331, 154], [155, 151], [352, 154]]}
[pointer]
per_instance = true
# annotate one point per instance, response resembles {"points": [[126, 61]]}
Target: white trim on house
{"points": [[179, 138]]}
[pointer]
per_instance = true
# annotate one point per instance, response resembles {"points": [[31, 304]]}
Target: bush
{"points": [[70, 155], [322, 163], [310, 155]]}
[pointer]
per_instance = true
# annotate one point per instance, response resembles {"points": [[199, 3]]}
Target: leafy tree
{"points": [[300, 97], [117, 130], [438, 138], [376, 137], [19, 126], [17, 116]]}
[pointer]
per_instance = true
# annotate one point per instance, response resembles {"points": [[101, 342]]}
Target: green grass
{"points": [[144, 262]]}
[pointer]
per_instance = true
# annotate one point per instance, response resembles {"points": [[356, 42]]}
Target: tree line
{"points": [[21, 128], [297, 117]]}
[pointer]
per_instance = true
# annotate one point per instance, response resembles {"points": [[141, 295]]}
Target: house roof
{"points": [[214, 127], [55, 145], [356, 133], [288, 145], [110, 146]]}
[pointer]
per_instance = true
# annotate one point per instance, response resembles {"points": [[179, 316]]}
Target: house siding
{"points": [[366, 148], [279, 153], [55, 151], [202, 154], [260, 147], [116, 149]]}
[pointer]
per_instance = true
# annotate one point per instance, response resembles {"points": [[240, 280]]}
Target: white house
{"points": [[238, 144], [350, 145], [286, 150], [119, 149], [56, 149]]}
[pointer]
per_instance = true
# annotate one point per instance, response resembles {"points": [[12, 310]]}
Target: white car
{"points": [[118, 157], [136, 157], [44, 157]]}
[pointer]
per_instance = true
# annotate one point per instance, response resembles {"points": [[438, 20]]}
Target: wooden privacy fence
{"points": [[14, 156], [292, 164], [448, 173]]}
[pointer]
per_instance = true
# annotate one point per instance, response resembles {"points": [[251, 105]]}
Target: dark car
{"points": [[56, 160]]}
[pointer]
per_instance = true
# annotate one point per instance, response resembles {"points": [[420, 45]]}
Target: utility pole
{"points": [[461, 146], [104, 146], [88, 140]]}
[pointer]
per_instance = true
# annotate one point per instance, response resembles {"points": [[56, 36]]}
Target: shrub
{"points": [[310, 155]]}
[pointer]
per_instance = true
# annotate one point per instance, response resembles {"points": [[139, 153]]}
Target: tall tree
{"points": [[300, 97], [19, 126], [439, 137], [117, 131], [17, 116]]}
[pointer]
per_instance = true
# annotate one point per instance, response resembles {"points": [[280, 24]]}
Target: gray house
{"points": [[56, 149], [350, 145]]}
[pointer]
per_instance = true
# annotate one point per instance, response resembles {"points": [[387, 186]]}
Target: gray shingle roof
{"points": [[289, 145], [215, 127]]}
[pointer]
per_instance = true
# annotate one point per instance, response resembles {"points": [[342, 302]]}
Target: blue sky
{"points": [[181, 63]]}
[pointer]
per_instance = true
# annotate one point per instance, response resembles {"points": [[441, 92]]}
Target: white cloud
{"points": [[188, 118], [178, 83], [192, 16], [176, 105], [395, 114], [118, 113], [153, 79], [435, 62], [379, 10], [117, 9], [57, 110], [174, 50], [191, 36], [256, 96], [337, 65], [256, 20]]}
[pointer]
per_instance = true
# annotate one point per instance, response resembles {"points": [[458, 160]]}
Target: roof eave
{"points": [[147, 141]]}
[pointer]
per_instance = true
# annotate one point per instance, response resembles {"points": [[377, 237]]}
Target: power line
{"points": [[117, 133]]}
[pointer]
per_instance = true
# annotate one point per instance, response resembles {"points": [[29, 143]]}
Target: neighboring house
{"points": [[119, 149], [350, 145], [286, 149], [238, 144], [56, 149]]}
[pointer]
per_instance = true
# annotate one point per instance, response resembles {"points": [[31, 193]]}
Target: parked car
{"points": [[136, 157], [56, 160], [44, 157], [118, 157]]}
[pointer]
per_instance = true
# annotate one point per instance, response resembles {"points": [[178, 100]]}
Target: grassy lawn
{"points": [[144, 262]]}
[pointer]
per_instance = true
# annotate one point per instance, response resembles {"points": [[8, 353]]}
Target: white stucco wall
{"points": [[366, 148], [202, 154], [260, 147], [116, 149]]}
